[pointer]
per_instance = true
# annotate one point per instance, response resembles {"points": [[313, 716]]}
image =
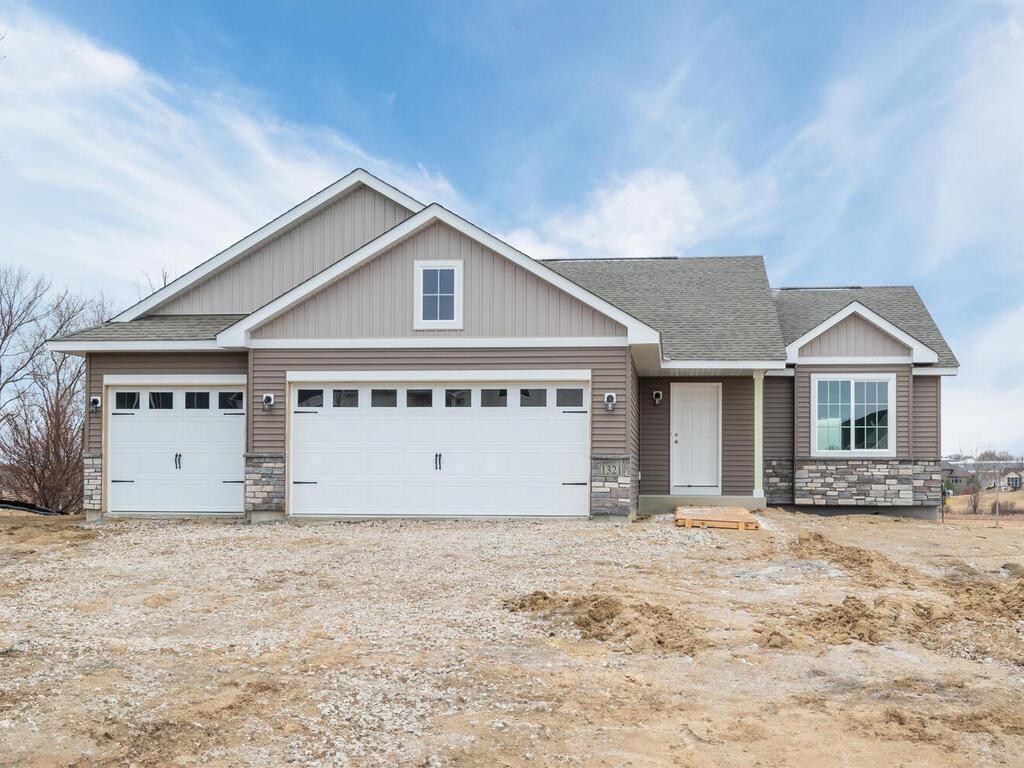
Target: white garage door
{"points": [[176, 449], [440, 449]]}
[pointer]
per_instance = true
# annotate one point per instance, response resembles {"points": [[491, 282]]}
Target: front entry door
{"points": [[696, 438]]}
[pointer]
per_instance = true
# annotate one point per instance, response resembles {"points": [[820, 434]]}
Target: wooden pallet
{"points": [[736, 518]]}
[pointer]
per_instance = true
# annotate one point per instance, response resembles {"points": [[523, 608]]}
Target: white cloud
{"points": [[110, 172], [648, 213]]}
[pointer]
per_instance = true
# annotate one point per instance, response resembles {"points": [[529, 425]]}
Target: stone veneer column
{"points": [[613, 486], [264, 486], [92, 486]]}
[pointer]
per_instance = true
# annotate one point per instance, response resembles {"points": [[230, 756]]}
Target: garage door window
{"points": [[569, 398], [126, 401], [384, 398], [493, 398], [197, 401], [458, 398], [161, 401], [230, 401], [419, 398], [311, 398], [533, 398], [346, 398]]}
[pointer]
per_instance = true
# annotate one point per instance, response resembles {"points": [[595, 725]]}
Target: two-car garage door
{"points": [[451, 448]]}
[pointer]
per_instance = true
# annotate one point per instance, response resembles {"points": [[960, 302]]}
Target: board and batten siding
{"points": [[802, 400], [854, 337], [927, 413], [269, 367], [737, 434], [778, 417], [500, 298], [318, 241], [100, 364]]}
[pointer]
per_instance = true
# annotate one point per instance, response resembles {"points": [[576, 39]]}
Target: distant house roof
{"points": [[712, 308], [158, 328], [801, 309]]}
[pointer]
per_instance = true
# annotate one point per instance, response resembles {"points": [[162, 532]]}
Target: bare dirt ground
{"points": [[856, 641]]}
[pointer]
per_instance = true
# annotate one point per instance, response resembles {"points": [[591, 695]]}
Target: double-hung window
{"points": [[853, 414], [438, 290]]}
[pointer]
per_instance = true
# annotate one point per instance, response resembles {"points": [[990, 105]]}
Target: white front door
{"points": [[176, 449], [695, 438], [448, 449]]}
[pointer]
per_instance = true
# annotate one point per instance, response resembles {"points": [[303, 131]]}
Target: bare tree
{"points": [[42, 410]]}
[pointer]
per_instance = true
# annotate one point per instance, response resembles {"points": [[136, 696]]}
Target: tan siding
{"points": [[633, 403], [157, 363], [927, 417], [500, 298], [778, 417], [737, 435], [277, 266], [802, 399], [609, 430], [854, 337]]}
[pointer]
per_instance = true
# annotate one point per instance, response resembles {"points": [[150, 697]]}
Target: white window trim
{"points": [[890, 378], [418, 323]]}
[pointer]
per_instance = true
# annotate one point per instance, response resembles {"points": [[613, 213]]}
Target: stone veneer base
{"points": [[92, 482], [867, 482], [613, 486], [778, 481], [264, 483]]}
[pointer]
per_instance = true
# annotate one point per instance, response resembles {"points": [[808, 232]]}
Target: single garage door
{"points": [[455, 448], [176, 449]]}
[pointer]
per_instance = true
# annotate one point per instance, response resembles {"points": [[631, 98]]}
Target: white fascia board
{"points": [[934, 371], [855, 360], [172, 379], [728, 365], [80, 347], [920, 352], [443, 342], [499, 374], [783, 372], [237, 335], [266, 232]]}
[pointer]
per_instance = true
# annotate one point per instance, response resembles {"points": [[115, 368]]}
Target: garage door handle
{"points": [[232, 481], [440, 456], [122, 481], [573, 483], [177, 461], [436, 455], [574, 411]]}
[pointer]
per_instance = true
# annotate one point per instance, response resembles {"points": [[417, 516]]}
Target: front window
{"points": [[438, 295], [851, 414]]}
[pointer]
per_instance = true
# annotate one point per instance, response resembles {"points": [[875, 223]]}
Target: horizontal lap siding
{"points": [[927, 432], [269, 368], [156, 363], [778, 417], [737, 434], [802, 399]]}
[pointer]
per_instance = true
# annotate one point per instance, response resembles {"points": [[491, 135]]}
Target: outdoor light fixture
{"points": [[268, 401], [94, 403], [657, 396], [609, 401]]}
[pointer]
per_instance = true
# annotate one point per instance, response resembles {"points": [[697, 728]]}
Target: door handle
{"points": [[436, 455], [440, 456], [177, 461]]}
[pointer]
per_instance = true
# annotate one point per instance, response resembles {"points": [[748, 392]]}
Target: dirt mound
{"points": [[637, 625], [866, 566], [886, 617], [986, 600]]}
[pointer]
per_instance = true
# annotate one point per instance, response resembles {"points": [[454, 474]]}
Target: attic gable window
{"points": [[438, 291]]}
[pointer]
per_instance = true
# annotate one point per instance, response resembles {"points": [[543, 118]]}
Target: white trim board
{"points": [[936, 371], [686, 365], [237, 335], [497, 374], [72, 347], [920, 352], [266, 232], [853, 453], [171, 379], [855, 361], [443, 342]]}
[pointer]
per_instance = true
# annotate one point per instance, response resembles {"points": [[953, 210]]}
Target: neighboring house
{"points": [[956, 477], [367, 355], [1011, 479]]}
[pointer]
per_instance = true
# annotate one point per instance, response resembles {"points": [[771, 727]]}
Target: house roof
{"points": [[710, 308], [801, 309], [157, 328]]}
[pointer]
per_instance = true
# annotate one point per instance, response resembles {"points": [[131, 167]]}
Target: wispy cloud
{"points": [[110, 172]]}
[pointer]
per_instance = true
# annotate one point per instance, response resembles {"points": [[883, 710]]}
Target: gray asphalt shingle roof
{"points": [[801, 309], [158, 328], [712, 308]]}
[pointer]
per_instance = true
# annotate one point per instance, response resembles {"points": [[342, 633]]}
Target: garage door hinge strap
{"points": [[303, 482], [573, 483]]}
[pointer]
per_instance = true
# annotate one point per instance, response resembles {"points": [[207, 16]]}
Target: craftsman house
{"points": [[367, 355]]}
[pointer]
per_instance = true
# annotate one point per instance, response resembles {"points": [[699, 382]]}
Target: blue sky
{"points": [[848, 143]]}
